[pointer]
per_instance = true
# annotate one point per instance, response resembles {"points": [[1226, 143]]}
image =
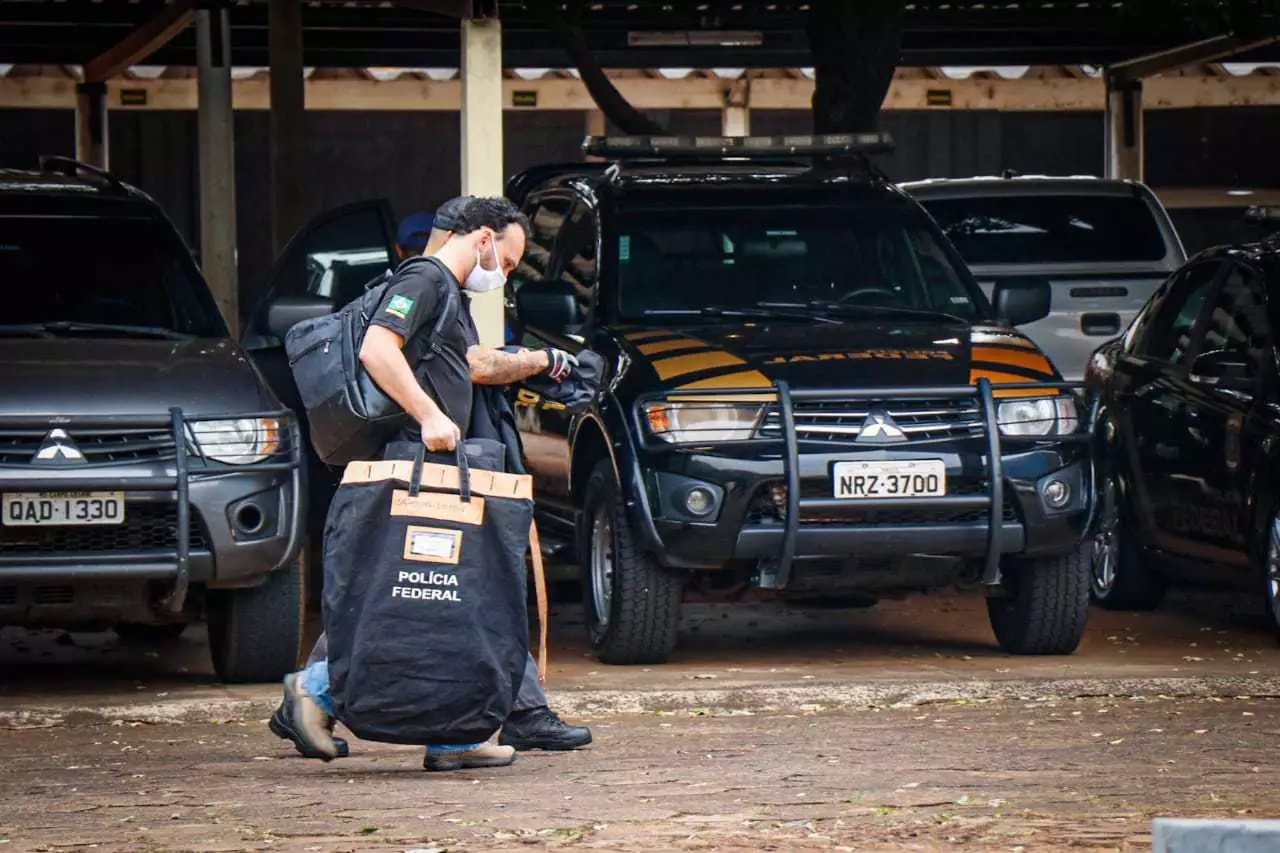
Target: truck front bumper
{"points": [[779, 507], [187, 518]]}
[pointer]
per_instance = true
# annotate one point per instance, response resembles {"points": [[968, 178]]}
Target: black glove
{"points": [[559, 364]]}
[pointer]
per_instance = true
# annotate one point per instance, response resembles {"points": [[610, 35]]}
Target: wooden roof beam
{"points": [[1213, 49], [141, 43], [463, 10]]}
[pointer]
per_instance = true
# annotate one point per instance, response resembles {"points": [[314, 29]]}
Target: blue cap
{"points": [[415, 230]]}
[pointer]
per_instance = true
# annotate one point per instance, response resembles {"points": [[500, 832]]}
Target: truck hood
{"points": [[94, 377], [844, 355]]}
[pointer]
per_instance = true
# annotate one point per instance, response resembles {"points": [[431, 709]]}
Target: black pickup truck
{"points": [[807, 393]]}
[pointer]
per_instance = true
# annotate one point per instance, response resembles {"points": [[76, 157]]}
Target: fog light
{"points": [[1057, 494], [699, 501]]}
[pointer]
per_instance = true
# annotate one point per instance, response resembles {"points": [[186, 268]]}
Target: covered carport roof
{"points": [[621, 33]]}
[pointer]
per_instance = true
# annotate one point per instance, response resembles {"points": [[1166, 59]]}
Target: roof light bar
{"points": [[735, 147]]}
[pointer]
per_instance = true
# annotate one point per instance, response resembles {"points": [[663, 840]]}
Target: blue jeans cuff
{"points": [[315, 680], [438, 749]]}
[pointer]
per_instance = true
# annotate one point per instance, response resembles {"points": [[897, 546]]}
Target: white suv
{"points": [[1104, 246]]}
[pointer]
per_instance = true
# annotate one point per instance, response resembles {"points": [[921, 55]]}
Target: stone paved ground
{"points": [[1007, 775], [897, 728]]}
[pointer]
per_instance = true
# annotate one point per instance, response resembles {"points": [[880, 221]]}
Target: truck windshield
{"points": [[844, 260], [102, 271], [1009, 229]]}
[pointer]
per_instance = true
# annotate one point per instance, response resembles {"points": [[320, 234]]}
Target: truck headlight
{"points": [[242, 441], [693, 423], [1038, 416]]}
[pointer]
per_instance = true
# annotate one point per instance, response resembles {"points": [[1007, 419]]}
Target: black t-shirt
{"points": [[410, 308]]}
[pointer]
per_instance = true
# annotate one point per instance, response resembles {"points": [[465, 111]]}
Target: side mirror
{"points": [[548, 306], [1222, 368], [1022, 301], [286, 312]]}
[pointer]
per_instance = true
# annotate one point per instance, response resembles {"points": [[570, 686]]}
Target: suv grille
{"points": [[841, 421], [99, 446], [147, 527]]}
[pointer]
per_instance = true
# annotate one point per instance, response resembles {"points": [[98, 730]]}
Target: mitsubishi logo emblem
{"points": [[879, 428], [58, 447]]}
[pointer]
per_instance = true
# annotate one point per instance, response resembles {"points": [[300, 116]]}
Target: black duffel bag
{"points": [[424, 598], [349, 416]]}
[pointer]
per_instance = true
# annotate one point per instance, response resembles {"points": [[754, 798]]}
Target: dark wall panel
{"points": [[946, 144], [26, 134], [1222, 147], [412, 158]]}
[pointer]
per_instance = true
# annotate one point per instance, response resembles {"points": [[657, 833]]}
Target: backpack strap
{"points": [[448, 313]]}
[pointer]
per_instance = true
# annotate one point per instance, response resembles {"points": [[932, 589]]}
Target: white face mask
{"points": [[481, 280]]}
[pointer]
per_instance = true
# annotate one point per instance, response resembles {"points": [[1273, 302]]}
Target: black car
{"points": [[1189, 422], [147, 471], [807, 393]]}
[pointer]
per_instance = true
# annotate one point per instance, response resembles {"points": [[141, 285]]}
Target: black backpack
{"points": [[350, 417]]}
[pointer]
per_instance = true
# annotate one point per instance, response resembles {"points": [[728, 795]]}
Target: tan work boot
{"points": [[307, 723], [484, 756]]}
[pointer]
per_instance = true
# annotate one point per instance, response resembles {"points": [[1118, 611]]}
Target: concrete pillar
{"points": [[91, 123], [1124, 129], [735, 117], [216, 135], [735, 121], [288, 106], [482, 172], [595, 125]]}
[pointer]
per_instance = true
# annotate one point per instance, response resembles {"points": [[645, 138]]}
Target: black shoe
{"points": [[287, 723], [542, 729]]}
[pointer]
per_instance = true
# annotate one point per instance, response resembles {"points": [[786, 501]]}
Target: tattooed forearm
{"points": [[490, 366]]}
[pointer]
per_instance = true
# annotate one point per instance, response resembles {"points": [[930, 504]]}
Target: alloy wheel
{"points": [[1273, 570], [1105, 552]]}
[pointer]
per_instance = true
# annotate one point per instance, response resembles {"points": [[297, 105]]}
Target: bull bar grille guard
{"points": [[785, 398], [286, 456]]}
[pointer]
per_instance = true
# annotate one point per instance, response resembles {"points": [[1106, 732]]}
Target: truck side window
{"points": [[1238, 318], [578, 262], [1167, 334], [547, 216]]}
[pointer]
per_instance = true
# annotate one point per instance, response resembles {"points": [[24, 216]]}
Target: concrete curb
{"points": [[1177, 835], [721, 701]]}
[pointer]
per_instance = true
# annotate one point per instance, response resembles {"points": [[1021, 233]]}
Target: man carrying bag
{"points": [[433, 386]]}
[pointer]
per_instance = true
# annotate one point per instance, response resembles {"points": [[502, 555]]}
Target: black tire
{"points": [[1046, 605], [255, 634], [1124, 583], [643, 604], [150, 635]]}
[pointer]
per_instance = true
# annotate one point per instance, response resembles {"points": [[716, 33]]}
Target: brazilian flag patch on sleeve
{"points": [[399, 306]]}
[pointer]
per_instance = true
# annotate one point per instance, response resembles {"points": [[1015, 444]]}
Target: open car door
{"points": [[326, 265]]}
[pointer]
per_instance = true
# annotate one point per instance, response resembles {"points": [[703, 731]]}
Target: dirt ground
{"points": [[897, 728], [1003, 775]]}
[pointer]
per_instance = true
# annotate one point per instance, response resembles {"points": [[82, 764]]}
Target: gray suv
{"points": [[1103, 246], [148, 473]]}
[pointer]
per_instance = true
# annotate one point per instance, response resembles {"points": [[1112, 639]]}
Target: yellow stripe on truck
{"points": [[682, 365], [1030, 360], [997, 379], [667, 346], [646, 334], [741, 379]]}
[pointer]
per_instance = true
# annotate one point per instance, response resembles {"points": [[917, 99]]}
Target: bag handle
{"points": [[464, 472], [540, 592]]}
